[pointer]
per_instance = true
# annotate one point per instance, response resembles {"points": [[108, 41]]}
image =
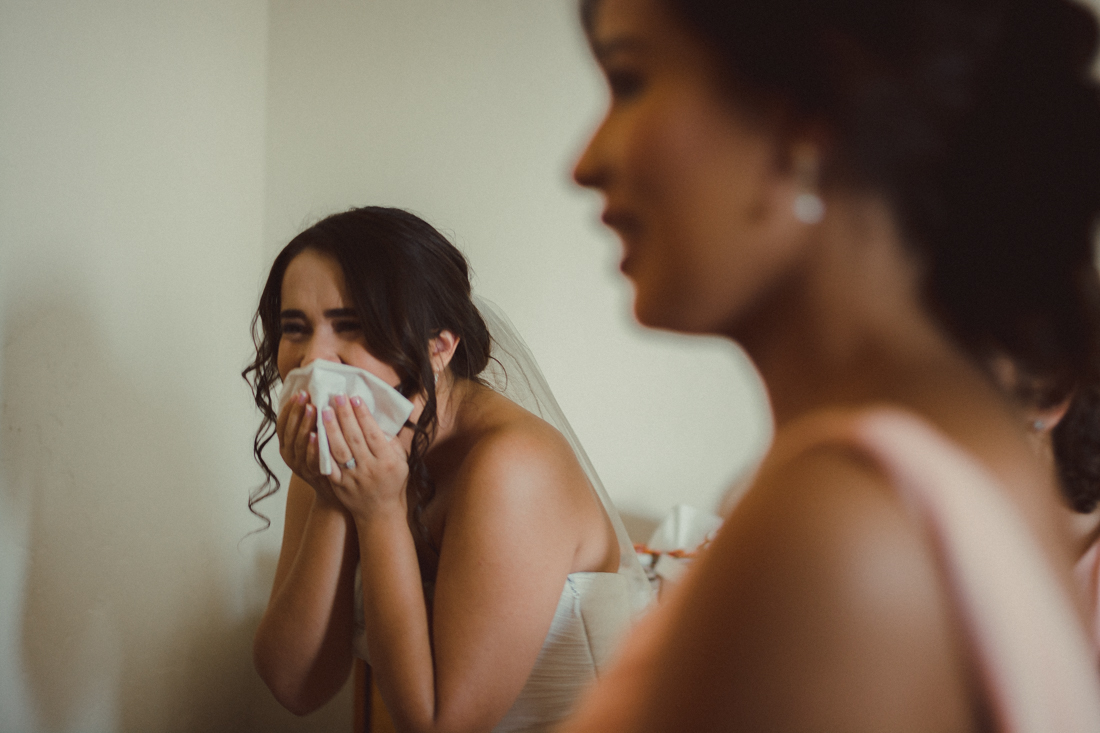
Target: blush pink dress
{"points": [[1036, 667]]}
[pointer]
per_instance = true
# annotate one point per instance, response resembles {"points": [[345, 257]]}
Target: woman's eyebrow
{"points": [[292, 314]]}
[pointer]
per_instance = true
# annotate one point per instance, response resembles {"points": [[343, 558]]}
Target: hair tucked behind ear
{"points": [[407, 283], [976, 120]]}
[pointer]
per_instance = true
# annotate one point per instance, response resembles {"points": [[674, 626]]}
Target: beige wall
{"points": [[131, 214]]}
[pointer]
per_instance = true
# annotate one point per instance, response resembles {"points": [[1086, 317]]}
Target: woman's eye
{"points": [[292, 328], [624, 84]]}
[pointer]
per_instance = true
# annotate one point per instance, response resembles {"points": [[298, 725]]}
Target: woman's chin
{"points": [[673, 314], [655, 313]]}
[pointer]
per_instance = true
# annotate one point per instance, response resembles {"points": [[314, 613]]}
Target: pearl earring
{"points": [[808, 207], [1038, 425]]}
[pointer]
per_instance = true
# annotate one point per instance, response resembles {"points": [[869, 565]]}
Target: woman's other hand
{"points": [[298, 445], [379, 468]]}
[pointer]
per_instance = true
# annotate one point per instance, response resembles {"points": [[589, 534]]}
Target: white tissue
{"points": [[324, 379], [684, 528]]}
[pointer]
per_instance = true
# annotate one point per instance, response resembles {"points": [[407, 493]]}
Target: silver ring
{"points": [[349, 464]]}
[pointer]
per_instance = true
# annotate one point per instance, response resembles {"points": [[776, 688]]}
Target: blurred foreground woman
{"points": [[873, 198]]}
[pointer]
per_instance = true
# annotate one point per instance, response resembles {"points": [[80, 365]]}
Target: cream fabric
{"points": [[593, 614]]}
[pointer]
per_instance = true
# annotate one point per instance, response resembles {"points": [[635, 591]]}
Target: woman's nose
{"points": [[589, 171], [320, 348]]}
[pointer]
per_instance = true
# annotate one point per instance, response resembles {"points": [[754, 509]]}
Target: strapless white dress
{"points": [[593, 613]]}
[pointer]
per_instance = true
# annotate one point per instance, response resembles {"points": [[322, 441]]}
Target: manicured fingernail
{"points": [[309, 410], [340, 400], [302, 397], [328, 414], [312, 438], [357, 401]]}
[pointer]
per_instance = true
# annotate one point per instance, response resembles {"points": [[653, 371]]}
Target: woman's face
{"points": [[700, 196], [318, 320]]}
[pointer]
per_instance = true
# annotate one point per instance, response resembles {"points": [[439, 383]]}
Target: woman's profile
{"points": [[873, 198], [474, 557]]}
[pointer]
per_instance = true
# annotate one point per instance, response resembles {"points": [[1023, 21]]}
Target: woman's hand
{"points": [[298, 445], [375, 480]]}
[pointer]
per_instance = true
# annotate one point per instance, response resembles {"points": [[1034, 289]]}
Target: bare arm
{"points": [[509, 542], [302, 648]]}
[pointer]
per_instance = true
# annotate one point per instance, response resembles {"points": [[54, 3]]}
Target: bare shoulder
{"points": [[519, 483], [819, 607], [515, 450]]}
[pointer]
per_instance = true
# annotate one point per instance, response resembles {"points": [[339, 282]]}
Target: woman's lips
{"points": [[620, 221], [626, 225]]}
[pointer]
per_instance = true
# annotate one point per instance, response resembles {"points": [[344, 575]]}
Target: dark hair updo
{"points": [[979, 124], [407, 283]]}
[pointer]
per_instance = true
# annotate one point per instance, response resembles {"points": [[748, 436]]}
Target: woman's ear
{"points": [[1040, 420], [441, 349], [1046, 419]]}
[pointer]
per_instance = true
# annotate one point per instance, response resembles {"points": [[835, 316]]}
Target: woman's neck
{"points": [[450, 393], [850, 330], [847, 327]]}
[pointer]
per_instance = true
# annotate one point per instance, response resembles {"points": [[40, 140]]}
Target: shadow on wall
{"points": [[129, 619]]}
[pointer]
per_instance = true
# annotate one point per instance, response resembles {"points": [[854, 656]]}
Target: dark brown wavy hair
{"points": [[407, 283]]}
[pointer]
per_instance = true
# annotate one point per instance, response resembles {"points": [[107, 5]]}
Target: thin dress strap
{"points": [[1033, 657]]}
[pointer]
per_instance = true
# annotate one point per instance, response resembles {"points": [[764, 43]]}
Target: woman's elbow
{"points": [[295, 701], [289, 686]]}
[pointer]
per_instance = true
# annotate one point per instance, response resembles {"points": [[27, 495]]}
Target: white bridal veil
{"points": [[514, 373]]}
